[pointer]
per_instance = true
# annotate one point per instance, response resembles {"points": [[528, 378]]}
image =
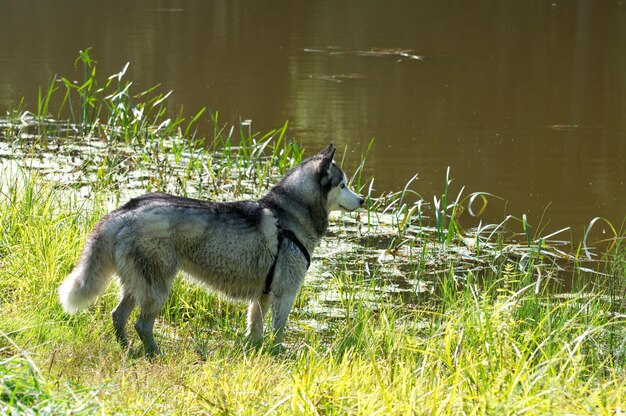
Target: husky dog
{"points": [[255, 251]]}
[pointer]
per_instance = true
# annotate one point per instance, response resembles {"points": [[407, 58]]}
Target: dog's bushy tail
{"points": [[90, 276]]}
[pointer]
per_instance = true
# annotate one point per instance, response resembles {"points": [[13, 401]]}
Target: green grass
{"points": [[415, 316], [493, 345], [489, 347]]}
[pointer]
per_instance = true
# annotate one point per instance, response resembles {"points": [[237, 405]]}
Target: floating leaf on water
{"points": [[400, 54]]}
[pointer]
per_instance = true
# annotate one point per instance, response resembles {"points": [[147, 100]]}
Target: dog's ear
{"points": [[329, 152], [324, 166], [327, 156]]}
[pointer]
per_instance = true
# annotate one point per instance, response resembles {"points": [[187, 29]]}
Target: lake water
{"points": [[525, 100]]}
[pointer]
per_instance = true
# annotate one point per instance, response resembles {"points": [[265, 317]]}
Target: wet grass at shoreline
{"points": [[483, 347], [402, 312]]}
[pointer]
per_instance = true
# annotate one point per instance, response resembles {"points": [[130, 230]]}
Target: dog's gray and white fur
{"points": [[229, 247]]}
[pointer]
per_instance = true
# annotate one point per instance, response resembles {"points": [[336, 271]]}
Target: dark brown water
{"points": [[522, 99]]}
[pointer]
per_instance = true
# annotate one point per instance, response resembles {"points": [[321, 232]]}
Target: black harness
{"points": [[282, 234]]}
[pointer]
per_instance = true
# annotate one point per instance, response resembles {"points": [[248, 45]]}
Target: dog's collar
{"points": [[282, 234]]}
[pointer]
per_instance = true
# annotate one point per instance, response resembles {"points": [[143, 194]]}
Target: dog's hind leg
{"points": [[120, 316], [256, 315], [145, 325], [153, 301], [147, 273]]}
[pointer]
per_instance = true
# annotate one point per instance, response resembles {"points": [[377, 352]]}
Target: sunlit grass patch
{"points": [[484, 346], [25, 390]]}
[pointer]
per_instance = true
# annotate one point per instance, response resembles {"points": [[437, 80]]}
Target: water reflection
{"points": [[522, 99]]}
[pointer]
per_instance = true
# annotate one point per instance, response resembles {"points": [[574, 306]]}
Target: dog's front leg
{"points": [[256, 315], [281, 307]]}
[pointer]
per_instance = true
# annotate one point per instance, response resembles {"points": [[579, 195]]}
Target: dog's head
{"points": [[319, 181], [334, 183]]}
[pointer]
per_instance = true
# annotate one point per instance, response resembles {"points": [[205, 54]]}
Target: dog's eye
{"points": [[343, 185]]}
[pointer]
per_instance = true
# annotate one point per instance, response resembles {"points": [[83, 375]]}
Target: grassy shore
{"points": [[414, 316]]}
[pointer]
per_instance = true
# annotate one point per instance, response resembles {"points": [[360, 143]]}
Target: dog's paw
{"points": [[253, 342], [278, 349]]}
